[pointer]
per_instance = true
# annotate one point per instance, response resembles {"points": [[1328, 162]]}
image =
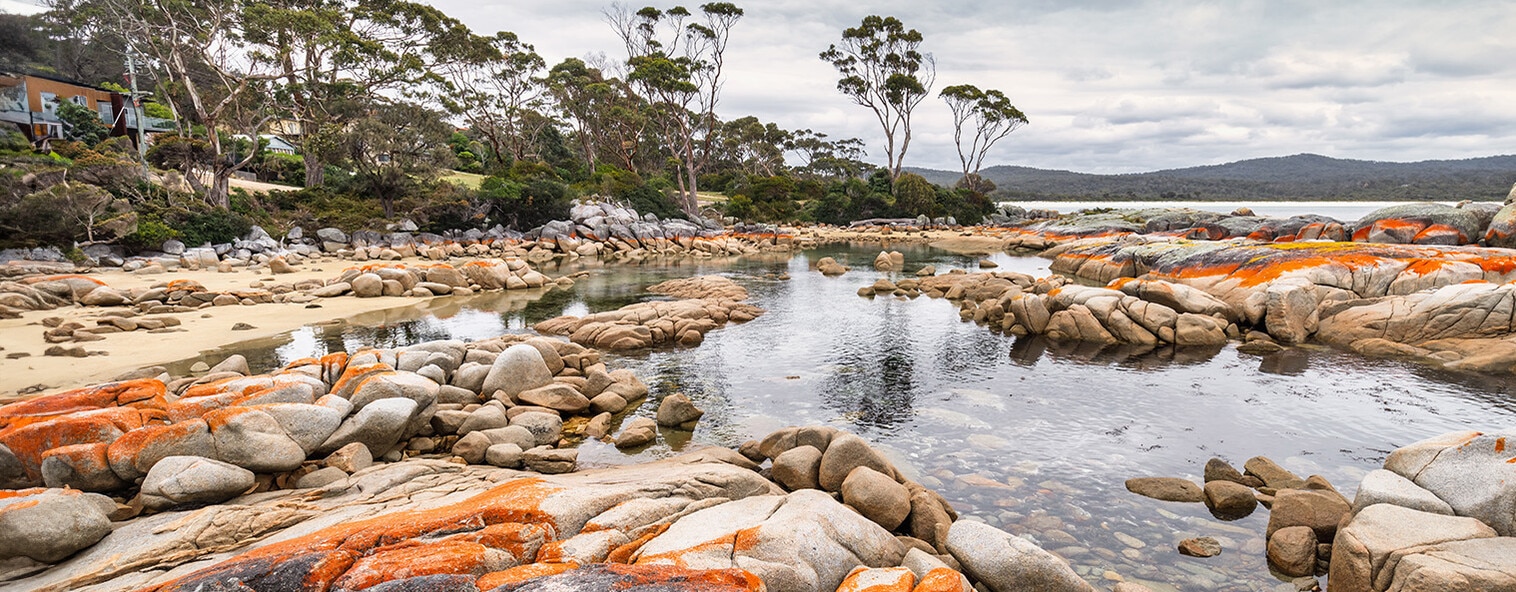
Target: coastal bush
{"points": [[212, 226], [150, 234]]}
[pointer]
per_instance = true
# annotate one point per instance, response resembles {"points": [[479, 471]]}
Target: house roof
{"points": [[23, 73]]}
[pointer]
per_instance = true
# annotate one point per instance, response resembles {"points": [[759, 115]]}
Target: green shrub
{"points": [[151, 232], [213, 226]]}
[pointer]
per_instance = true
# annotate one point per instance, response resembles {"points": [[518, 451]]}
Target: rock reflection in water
{"points": [[1031, 435]]}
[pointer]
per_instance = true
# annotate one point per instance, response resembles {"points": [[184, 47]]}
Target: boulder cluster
{"points": [[710, 520], [1440, 515], [1448, 304], [160, 443], [1484, 223], [1143, 313], [703, 303], [595, 228], [48, 292]]}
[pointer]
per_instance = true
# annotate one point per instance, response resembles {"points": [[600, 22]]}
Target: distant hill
{"points": [[1302, 176]]}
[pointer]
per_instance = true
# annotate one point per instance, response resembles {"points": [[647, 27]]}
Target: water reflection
{"points": [[1033, 436]]}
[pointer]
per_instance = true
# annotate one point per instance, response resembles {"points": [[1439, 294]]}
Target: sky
{"points": [[1114, 86]]}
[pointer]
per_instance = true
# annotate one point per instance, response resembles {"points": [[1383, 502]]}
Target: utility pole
{"points": [[131, 72]]}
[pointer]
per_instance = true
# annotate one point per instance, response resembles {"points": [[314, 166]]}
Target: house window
{"points": [[80, 100], [106, 114], [49, 102]]}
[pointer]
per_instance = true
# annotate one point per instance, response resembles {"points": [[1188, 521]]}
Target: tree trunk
{"points": [[315, 170], [220, 192], [692, 199]]}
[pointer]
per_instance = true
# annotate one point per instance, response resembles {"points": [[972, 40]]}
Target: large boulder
{"points": [[1462, 566], [81, 466], [877, 496], [764, 535], [51, 524], [1385, 487], [1368, 541], [1502, 230], [133, 454], [252, 439], [555, 396], [798, 468], [1420, 224], [1473, 472], [179, 480], [379, 426], [519, 368], [1321, 510], [677, 411], [845, 453], [1004, 562]]}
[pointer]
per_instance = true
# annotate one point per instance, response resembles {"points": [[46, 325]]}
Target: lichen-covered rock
{"points": [[1473, 472], [759, 534], [1419, 223]]}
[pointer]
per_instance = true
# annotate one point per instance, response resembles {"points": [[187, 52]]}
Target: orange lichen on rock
{"points": [[354, 376], [139, 393], [407, 561], [135, 452], [879, 579], [942, 579], [522, 573], [517, 502], [187, 408], [29, 443], [603, 576], [628, 552]]}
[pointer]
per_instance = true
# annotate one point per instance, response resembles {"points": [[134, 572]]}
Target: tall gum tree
{"points": [[993, 118], [883, 69], [199, 49], [335, 58], [676, 61], [495, 88]]}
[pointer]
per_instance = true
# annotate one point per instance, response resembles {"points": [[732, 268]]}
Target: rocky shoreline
{"points": [[451, 465], [257, 482]]}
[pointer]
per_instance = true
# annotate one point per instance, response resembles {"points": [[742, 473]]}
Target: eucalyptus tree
{"points": [[828, 159], [336, 57], [200, 52], [883, 69], [676, 60], [993, 118], [754, 147], [607, 117], [495, 87], [394, 148]]}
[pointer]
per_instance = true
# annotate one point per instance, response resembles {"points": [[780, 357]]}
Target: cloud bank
{"points": [[1122, 86]]}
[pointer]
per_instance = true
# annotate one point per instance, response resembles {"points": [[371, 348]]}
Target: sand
{"points": [[204, 329]]}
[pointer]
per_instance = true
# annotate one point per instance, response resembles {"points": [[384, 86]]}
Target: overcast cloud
{"points": [[1121, 86], [1118, 86]]}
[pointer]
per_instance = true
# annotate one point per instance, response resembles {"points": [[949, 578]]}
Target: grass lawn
{"points": [[469, 180]]}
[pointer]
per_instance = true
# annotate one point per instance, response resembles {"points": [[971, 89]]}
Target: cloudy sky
{"points": [[1124, 86]]}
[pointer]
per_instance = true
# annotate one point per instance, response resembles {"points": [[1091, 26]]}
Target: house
{"points": [[30, 103], [273, 143]]}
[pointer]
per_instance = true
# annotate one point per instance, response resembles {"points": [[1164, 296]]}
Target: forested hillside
{"points": [[1302, 176]]}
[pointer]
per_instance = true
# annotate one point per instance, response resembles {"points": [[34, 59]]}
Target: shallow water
{"points": [[1034, 437]]}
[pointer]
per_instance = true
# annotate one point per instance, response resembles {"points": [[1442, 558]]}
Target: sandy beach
{"points": [[201, 330]]}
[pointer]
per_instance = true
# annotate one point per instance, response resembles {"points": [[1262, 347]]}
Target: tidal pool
{"points": [[1034, 437]]}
